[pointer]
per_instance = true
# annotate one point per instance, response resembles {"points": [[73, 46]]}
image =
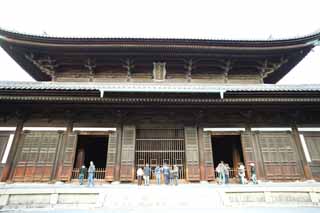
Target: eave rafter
{"points": [[267, 67], [46, 65], [90, 65], [128, 65]]}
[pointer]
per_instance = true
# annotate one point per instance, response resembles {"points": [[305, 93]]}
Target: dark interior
{"points": [[95, 149], [227, 148]]}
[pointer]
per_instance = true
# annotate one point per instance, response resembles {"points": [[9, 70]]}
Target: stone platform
{"points": [[133, 197]]}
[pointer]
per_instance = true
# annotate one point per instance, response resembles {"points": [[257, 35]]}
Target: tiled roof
{"points": [[156, 87], [112, 37]]}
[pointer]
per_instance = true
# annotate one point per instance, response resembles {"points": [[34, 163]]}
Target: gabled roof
{"points": [[287, 52], [272, 42]]}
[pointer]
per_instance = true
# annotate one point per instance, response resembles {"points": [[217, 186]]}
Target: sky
{"points": [[245, 19]]}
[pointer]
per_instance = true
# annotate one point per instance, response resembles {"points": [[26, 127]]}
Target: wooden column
{"points": [[201, 154], [9, 167], [302, 158], [118, 154]]}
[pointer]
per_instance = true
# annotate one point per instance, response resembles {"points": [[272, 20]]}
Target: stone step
{"points": [[184, 196]]}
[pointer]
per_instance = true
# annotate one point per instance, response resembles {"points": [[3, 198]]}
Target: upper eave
{"points": [[17, 45], [144, 42]]}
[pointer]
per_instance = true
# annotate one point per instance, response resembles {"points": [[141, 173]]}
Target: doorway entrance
{"points": [[159, 147], [91, 148], [227, 148]]}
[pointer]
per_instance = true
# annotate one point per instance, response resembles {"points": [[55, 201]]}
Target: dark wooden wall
{"points": [[49, 156]]}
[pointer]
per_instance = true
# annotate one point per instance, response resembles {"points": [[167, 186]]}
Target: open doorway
{"points": [[227, 148], [91, 148]]}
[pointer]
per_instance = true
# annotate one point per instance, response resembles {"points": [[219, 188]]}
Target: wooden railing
{"points": [[99, 175]]}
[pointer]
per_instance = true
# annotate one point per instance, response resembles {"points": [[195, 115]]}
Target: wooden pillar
{"points": [[201, 154], [118, 155], [302, 158], [235, 156]]}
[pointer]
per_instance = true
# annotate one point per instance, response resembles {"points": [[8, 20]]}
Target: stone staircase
{"points": [[184, 196]]}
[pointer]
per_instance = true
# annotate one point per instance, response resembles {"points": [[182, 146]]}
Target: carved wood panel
{"points": [[111, 156], [36, 160], [127, 153], [192, 154], [208, 159], [279, 155], [68, 157]]}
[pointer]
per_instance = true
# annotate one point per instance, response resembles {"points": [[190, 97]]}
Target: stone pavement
{"points": [[132, 198]]}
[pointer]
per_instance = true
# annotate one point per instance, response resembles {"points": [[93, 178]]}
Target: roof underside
{"points": [[275, 57]]}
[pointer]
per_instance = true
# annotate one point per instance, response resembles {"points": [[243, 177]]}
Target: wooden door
{"points": [[111, 156], [127, 153], [279, 155], [192, 154], [36, 159], [68, 157], [208, 159], [248, 150]]}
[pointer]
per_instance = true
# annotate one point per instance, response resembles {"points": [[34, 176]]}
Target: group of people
{"points": [[91, 171], [170, 174], [223, 171]]}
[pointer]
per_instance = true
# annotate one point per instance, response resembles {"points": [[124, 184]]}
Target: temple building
{"points": [[125, 102]]}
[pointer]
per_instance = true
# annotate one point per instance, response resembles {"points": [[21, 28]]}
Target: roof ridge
{"points": [[315, 34]]}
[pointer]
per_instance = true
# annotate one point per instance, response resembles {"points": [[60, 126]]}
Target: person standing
{"points": [[82, 172], [171, 175], [175, 174], [221, 171], [139, 176], [146, 172], [91, 172], [166, 174], [241, 173], [253, 173], [157, 172], [226, 172]]}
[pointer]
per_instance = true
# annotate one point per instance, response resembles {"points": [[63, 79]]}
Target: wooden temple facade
{"points": [[123, 103]]}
